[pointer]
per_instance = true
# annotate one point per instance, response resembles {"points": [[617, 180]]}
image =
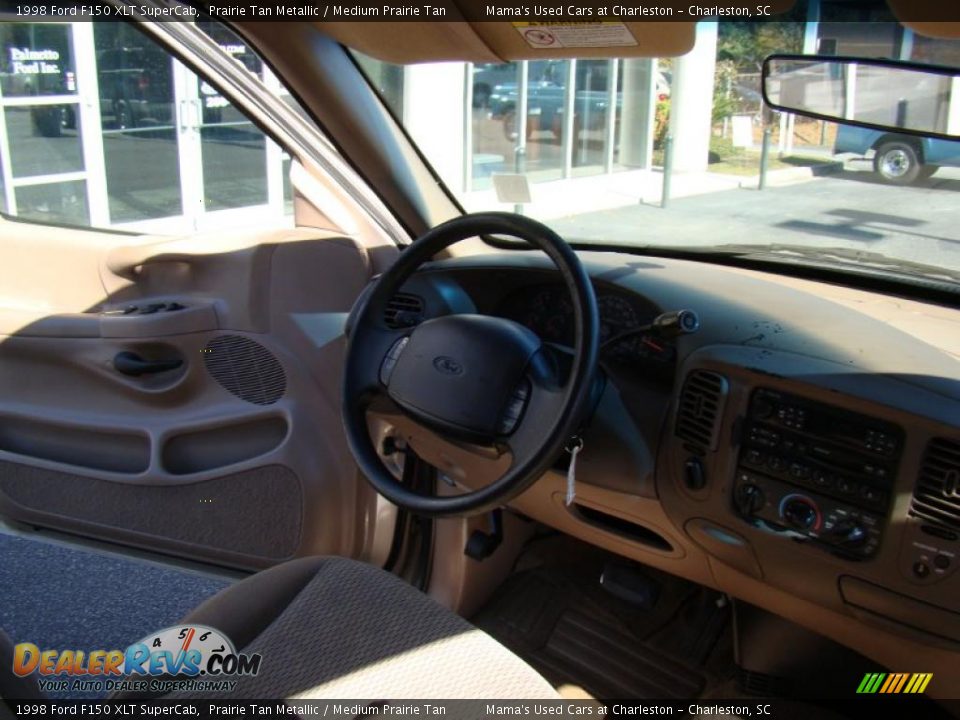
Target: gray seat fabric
{"points": [[337, 628]]}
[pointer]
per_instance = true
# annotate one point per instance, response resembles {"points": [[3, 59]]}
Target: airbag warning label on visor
{"points": [[548, 36]]}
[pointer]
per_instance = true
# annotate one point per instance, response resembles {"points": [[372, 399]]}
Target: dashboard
{"points": [[800, 451], [546, 310]]}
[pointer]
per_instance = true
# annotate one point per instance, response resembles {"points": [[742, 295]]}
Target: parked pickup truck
{"points": [[545, 101], [546, 94], [898, 159]]}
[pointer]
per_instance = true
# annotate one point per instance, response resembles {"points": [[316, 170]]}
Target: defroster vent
{"points": [[701, 408], [936, 498], [245, 368], [403, 310]]}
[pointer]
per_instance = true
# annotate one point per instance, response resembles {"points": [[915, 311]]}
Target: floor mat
{"points": [[58, 597], [554, 613]]}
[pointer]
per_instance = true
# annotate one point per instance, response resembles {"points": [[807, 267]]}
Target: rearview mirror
{"points": [[879, 94]]}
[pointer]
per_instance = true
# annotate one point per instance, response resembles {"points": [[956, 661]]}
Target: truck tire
{"points": [[510, 131], [897, 163], [48, 121], [557, 130], [481, 95], [123, 115]]}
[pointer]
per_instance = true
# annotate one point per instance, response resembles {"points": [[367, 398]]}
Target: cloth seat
{"points": [[331, 627]]}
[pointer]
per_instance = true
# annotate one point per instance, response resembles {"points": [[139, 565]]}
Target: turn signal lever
{"points": [[674, 323], [667, 325]]}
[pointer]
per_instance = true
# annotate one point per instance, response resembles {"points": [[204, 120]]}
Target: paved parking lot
{"points": [[849, 209]]}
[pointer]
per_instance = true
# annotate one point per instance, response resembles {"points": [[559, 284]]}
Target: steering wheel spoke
{"points": [[542, 409], [377, 350]]}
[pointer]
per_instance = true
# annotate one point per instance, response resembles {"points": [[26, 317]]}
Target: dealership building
{"points": [[101, 126]]}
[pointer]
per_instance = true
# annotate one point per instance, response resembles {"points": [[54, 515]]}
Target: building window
{"points": [[102, 126]]}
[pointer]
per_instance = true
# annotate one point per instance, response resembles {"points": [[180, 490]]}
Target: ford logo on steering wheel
{"points": [[447, 365]]}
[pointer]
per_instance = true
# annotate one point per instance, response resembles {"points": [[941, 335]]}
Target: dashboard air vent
{"points": [[936, 498], [403, 310], [701, 408]]}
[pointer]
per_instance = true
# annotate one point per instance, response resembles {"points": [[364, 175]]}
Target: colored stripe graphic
{"points": [[894, 683], [918, 683], [871, 683], [891, 680], [901, 683]]}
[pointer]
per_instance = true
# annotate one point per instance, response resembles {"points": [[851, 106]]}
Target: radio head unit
{"points": [[815, 470]]}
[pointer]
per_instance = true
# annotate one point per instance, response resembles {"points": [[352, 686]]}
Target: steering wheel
{"points": [[466, 377]]}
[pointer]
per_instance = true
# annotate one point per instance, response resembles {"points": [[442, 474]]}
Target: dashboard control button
{"points": [[872, 495], [694, 475], [921, 569], [800, 512], [941, 562], [846, 487], [749, 498], [762, 408], [823, 480], [775, 463], [390, 360], [849, 533]]}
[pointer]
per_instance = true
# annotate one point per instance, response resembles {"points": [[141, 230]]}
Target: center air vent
{"points": [[936, 499], [700, 409], [403, 310]]}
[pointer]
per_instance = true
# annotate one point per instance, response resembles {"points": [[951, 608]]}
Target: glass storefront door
{"points": [[102, 126]]}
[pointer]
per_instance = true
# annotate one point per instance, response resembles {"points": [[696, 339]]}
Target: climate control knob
{"points": [[849, 533], [800, 512], [748, 498]]}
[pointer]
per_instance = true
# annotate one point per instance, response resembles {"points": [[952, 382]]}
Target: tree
{"points": [[747, 44]]}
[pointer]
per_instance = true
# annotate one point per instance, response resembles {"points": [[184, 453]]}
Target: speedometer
{"points": [[549, 314], [616, 315]]}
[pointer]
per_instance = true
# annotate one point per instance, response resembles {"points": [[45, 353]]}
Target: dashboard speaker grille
{"points": [[700, 409], [245, 368], [936, 498], [403, 310]]}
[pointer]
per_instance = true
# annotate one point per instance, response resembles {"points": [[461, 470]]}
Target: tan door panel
{"points": [[45, 270], [229, 448]]}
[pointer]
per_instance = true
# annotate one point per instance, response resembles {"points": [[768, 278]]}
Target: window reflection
{"points": [[61, 203], [137, 112], [591, 108], [36, 59], [234, 163], [44, 140]]}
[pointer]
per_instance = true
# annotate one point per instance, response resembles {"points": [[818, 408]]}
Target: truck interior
{"points": [[405, 450]]}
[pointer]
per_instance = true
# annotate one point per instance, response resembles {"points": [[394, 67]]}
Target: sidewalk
{"points": [[574, 196]]}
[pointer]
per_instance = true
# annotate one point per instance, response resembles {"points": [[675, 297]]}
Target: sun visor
{"points": [[942, 30], [931, 18], [523, 31], [532, 41], [419, 42], [412, 42]]}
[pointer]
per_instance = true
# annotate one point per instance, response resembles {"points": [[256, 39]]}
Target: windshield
{"points": [[681, 152]]}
